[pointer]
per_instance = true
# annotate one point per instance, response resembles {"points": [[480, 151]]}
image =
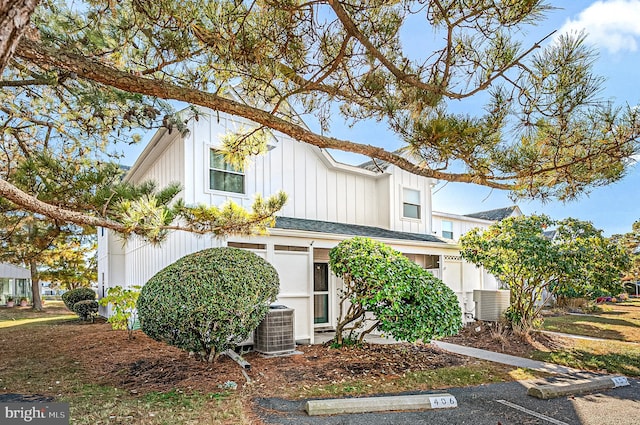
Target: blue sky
{"points": [[613, 28]]}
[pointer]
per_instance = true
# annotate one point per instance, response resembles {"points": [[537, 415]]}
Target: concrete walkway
{"points": [[506, 359]]}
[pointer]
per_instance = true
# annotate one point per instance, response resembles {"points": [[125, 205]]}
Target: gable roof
{"points": [[351, 229], [494, 215], [12, 271]]}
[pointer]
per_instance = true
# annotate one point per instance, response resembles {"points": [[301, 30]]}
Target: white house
{"points": [[452, 226], [328, 202], [15, 281]]}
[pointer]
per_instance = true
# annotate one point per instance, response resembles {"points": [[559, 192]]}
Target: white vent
{"points": [[491, 304], [275, 334]]}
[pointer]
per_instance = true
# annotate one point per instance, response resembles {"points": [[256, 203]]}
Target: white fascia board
{"points": [[328, 160], [340, 237], [157, 141], [439, 214]]}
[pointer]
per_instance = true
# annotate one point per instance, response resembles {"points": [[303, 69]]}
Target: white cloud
{"points": [[613, 24]]}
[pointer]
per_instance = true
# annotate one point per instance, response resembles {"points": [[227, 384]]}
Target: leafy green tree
{"points": [[594, 265], [630, 241], [536, 263], [26, 240], [97, 68], [407, 301], [71, 263]]}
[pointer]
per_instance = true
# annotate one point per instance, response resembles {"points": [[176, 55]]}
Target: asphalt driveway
{"points": [[494, 404]]}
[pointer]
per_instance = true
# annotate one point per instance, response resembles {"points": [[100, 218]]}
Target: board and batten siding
{"points": [[317, 190], [401, 179], [144, 260]]}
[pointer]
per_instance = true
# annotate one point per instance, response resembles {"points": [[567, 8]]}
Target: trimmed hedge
{"points": [[73, 296], [86, 309], [209, 301]]}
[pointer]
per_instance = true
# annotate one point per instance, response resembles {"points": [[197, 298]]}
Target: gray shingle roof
{"points": [[378, 166], [350, 229], [493, 215]]}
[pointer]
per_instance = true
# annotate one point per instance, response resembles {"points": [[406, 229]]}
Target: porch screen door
{"points": [[320, 293]]}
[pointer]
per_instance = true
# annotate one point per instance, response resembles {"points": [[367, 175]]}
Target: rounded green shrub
{"points": [[408, 302], [209, 301], [86, 309], [73, 296]]}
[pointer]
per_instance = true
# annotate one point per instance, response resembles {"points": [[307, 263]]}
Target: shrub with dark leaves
{"points": [[209, 301], [73, 296]]}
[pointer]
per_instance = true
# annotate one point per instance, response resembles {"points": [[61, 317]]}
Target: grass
{"points": [[610, 356], [616, 321], [99, 404], [459, 376], [17, 316]]}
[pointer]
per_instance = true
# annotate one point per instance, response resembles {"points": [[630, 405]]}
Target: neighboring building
{"points": [[452, 226], [15, 281], [328, 202]]}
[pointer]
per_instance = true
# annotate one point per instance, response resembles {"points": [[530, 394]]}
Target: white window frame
{"points": [[211, 168], [443, 231], [406, 202]]}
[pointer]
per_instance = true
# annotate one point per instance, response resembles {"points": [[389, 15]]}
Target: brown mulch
{"points": [[495, 337], [142, 365]]}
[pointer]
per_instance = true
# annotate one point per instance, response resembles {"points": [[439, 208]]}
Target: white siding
{"points": [[144, 260], [400, 180], [316, 190]]}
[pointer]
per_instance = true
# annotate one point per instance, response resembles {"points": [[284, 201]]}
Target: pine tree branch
{"points": [[84, 67]]}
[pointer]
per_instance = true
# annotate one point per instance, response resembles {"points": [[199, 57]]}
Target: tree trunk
{"points": [[35, 286], [14, 18]]}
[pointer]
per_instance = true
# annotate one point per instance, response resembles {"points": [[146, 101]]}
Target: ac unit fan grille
{"points": [[275, 334]]}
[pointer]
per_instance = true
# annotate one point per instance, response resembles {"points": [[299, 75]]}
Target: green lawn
{"points": [[16, 316], [618, 323], [609, 356]]}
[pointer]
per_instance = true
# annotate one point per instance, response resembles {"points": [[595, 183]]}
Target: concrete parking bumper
{"points": [[380, 404], [576, 386]]}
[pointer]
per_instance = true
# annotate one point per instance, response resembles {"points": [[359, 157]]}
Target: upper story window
{"points": [[223, 176], [447, 229], [410, 203]]}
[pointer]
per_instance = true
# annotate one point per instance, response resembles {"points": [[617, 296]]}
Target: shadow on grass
{"points": [[623, 363], [48, 320], [595, 326]]}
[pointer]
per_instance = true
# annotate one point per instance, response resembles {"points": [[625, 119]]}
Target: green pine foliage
{"points": [[209, 301]]}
